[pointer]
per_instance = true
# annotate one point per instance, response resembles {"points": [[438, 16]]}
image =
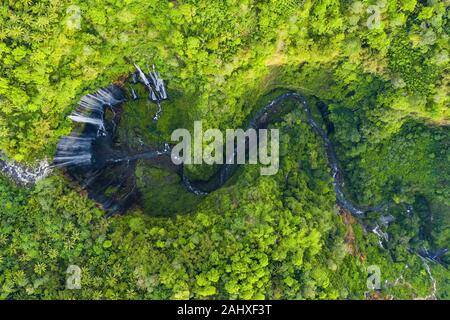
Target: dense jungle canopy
{"points": [[376, 75]]}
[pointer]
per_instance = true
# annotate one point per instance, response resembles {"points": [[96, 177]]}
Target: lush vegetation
{"points": [[386, 88]]}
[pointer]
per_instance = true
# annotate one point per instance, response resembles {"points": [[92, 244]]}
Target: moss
{"points": [[137, 126], [110, 191], [162, 192]]}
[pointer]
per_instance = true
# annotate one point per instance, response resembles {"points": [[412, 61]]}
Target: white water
{"points": [[74, 151], [96, 101], [155, 86], [22, 174], [84, 119], [106, 97], [73, 160], [142, 76], [91, 108], [432, 295], [158, 83]]}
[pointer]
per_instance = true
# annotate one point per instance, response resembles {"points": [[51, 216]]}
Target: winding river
{"points": [[262, 118], [94, 159]]}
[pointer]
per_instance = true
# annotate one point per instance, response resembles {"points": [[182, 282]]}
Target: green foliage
{"points": [[51, 54], [162, 192], [277, 237]]}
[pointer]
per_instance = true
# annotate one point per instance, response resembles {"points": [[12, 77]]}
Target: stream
{"points": [[96, 160], [87, 154], [92, 149]]}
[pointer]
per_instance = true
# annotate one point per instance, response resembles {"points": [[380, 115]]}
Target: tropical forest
{"points": [[351, 96]]}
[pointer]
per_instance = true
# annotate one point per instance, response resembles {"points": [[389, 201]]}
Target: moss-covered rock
{"points": [[161, 192]]}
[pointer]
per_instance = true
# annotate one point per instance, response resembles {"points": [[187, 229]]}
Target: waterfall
{"points": [[155, 85], [91, 108], [22, 174], [432, 295], [76, 117], [158, 84], [381, 235], [78, 148], [142, 76], [158, 112], [93, 151], [94, 158], [134, 94], [74, 151]]}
